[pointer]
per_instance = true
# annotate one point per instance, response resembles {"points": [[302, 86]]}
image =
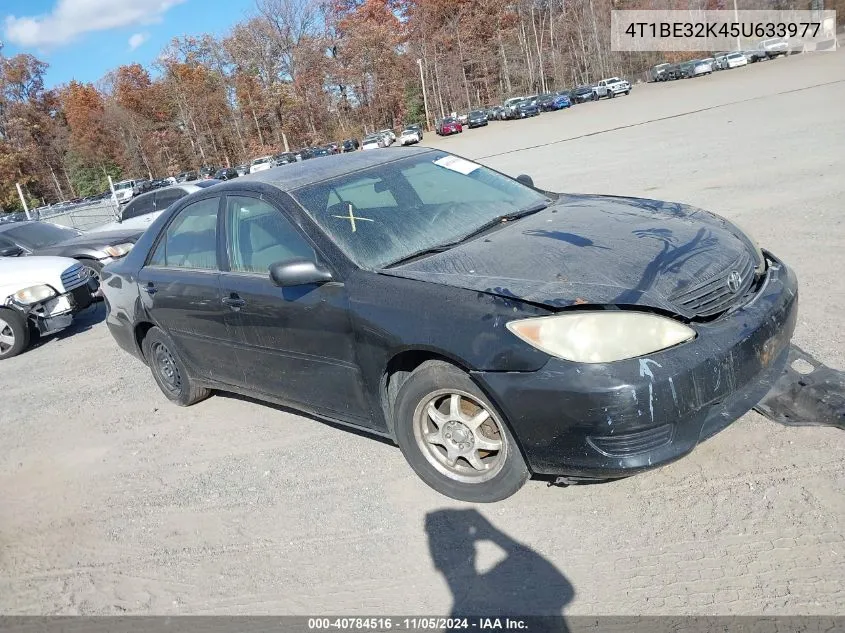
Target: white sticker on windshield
{"points": [[457, 164]]}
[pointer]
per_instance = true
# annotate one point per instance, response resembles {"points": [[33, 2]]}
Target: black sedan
{"points": [[92, 250], [490, 328], [527, 108], [582, 94], [476, 118]]}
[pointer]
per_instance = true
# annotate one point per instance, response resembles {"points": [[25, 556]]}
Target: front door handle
{"points": [[234, 301], [150, 288]]}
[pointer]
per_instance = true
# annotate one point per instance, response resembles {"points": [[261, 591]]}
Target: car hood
{"points": [[592, 250], [94, 240], [17, 273]]}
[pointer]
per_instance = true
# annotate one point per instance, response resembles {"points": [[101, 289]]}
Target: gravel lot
{"points": [[114, 501]]}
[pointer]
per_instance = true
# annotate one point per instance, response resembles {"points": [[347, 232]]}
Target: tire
{"points": [[627, 92], [610, 94], [14, 333], [438, 386], [169, 370]]}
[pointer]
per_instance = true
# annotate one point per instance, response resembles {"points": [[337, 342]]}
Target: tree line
{"points": [[298, 73]]}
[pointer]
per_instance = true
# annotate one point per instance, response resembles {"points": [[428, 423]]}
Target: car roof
{"points": [[297, 175]]}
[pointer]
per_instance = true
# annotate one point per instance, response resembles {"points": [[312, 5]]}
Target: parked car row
{"points": [[530, 106], [767, 49]]}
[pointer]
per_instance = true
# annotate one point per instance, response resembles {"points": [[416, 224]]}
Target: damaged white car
{"points": [[40, 295]]}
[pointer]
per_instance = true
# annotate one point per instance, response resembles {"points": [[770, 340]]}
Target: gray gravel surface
{"points": [[113, 501]]}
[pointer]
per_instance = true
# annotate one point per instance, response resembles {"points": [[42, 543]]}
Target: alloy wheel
{"points": [[7, 337], [459, 436]]}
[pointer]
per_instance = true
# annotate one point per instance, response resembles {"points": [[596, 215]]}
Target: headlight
{"points": [[119, 250], [34, 294], [601, 337]]}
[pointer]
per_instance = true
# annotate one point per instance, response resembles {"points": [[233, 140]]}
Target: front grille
{"points": [[75, 276], [714, 295], [628, 444]]}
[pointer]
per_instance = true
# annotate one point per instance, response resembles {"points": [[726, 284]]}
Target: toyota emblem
{"points": [[734, 281]]}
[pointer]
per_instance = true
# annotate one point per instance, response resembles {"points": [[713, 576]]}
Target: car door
{"points": [[295, 344], [180, 290]]}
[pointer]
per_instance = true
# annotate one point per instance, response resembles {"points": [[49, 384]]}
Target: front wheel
{"points": [[454, 438], [169, 371], [14, 333]]}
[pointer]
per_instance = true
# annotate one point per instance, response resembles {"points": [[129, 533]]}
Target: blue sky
{"points": [[84, 39]]}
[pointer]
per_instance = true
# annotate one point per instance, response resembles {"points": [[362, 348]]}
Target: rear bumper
{"points": [[612, 420]]}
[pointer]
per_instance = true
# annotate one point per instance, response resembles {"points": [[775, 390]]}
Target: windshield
{"points": [[735, 55], [261, 161], [123, 185], [386, 213], [40, 234]]}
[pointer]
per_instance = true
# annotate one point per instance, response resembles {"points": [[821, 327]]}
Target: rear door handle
{"points": [[234, 301], [150, 288]]}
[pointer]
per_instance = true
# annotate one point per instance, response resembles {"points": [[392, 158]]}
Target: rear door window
{"points": [[166, 197], [139, 206]]}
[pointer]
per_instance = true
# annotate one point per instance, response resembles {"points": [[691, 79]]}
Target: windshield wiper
{"points": [[494, 223]]}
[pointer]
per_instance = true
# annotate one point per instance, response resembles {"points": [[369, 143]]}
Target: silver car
{"points": [[702, 67]]}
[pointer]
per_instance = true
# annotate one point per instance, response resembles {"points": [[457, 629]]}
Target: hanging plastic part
{"points": [[808, 393]]}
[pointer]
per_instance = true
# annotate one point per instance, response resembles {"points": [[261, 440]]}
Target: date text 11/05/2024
{"points": [[418, 623]]}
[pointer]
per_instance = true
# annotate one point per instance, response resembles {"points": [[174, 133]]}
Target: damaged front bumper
{"points": [[57, 313], [602, 421]]}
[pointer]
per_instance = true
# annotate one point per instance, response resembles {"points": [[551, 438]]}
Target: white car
{"points": [[41, 294], [260, 164], [374, 141], [124, 190], [611, 87], [735, 60], [389, 136], [409, 136], [774, 47]]}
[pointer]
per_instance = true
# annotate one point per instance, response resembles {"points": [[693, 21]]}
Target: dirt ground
{"points": [[114, 501]]}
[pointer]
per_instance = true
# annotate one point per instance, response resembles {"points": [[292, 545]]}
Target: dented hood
{"points": [[591, 249]]}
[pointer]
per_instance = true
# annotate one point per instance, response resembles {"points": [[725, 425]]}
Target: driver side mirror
{"points": [[526, 180], [11, 251], [298, 272]]}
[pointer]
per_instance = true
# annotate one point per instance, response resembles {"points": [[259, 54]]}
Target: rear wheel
{"points": [[454, 438], [14, 333], [169, 371]]}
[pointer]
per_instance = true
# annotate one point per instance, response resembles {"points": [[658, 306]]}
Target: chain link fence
{"points": [[84, 217]]}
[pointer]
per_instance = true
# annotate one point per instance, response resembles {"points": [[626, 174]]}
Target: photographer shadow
{"points": [[523, 583]]}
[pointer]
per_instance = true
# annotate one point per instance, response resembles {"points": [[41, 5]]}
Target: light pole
{"points": [[425, 96], [736, 19]]}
